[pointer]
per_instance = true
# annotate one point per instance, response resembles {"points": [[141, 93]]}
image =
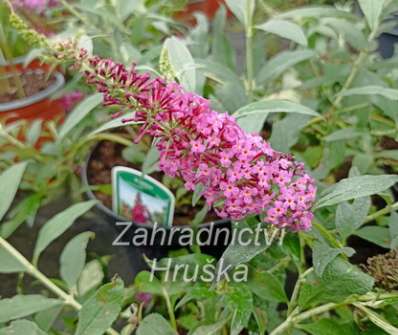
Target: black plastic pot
{"points": [[387, 43], [156, 250]]}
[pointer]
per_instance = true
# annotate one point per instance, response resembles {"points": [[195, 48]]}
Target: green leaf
{"points": [[217, 71], [144, 283], [197, 194], [242, 9], [73, 258], [21, 306], [34, 132], [314, 11], [343, 134], [46, 319], [253, 123], [182, 62], [355, 187], [26, 209], [349, 31], [101, 310], [85, 42], [273, 106], [115, 123], [9, 181], [340, 280], [267, 286], [155, 324], [252, 116], [221, 49], [237, 253], [282, 62], [372, 10], [350, 217], [22, 327], [375, 234], [285, 29], [150, 162], [323, 255], [9, 264], [372, 90], [79, 112], [239, 300], [393, 228], [91, 277], [285, 132], [330, 327], [209, 329], [58, 225]]}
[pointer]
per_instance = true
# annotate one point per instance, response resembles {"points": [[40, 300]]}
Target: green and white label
{"points": [[141, 198]]}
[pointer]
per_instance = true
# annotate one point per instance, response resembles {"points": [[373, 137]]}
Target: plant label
{"points": [[141, 198]]}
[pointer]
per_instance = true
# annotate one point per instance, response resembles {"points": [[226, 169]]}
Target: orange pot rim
{"points": [[42, 95]]}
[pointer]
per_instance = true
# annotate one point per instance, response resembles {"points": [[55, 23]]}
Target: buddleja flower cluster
{"points": [[239, 174], [36, 5]]}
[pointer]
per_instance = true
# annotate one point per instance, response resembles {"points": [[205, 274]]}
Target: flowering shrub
{"points": [[240, 173], [326, 96]]}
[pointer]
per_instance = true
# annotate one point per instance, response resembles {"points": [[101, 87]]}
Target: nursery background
{"points": [[263, 132]]}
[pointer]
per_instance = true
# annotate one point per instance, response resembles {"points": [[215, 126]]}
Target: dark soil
{"points": [[109, 154], [33, 82], [388, 143]]}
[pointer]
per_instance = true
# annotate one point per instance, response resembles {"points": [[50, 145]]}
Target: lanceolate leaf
{"points": [[375, 234], [350, 217], [242, 9], [22, 327], [155, 324], [274, 106], [78, 114], [355, 187], [372, 10], [314, 11], [182, 62], [9, 264], [73, 258], [388, 93], [9, 181], [101, 310], [209, 329], [281, 62], [58, 225], [116, 123], [24, 305], [329, 326], [267, 286], [323, 255], [285, 29]]}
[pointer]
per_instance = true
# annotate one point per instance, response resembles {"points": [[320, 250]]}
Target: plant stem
{"points": [[170, 309], [329, 236], [381, 212], [301, 317], [297, 318], [69, 300], [34, 272], [249, 51], [296, 290]]}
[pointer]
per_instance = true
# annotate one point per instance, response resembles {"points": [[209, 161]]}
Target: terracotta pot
{"points": [[37, 106], [208, 7]]}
